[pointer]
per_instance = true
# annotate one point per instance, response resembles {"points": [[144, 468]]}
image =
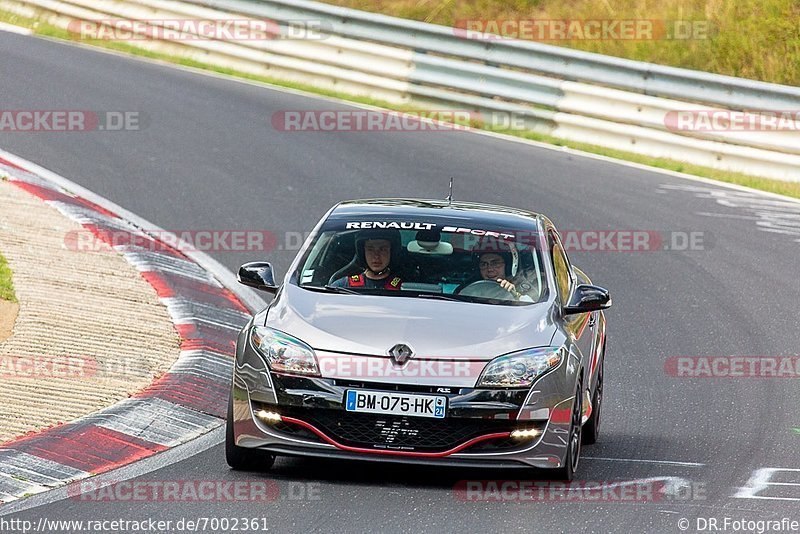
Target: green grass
{"points": [[775, 186], [757, 39], [6, 286]]}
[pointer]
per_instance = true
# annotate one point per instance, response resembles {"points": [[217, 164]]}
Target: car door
{"points": [[577, 326]]}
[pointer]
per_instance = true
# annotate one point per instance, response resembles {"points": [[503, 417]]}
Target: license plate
{"points": [[395, 403]]}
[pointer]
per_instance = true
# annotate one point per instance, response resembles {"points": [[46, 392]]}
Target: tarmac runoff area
{"points": [[90, 330]]}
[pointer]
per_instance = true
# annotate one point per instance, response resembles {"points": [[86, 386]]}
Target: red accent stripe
{"points": [[87, 447], [596, 355], [338, 445], [561, 415], [583, 326]]}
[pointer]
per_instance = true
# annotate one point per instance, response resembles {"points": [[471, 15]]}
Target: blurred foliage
{"points": [[757, 39], [6, 286]]}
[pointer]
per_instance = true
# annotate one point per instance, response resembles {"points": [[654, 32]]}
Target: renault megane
{"points": [[422, 331]]}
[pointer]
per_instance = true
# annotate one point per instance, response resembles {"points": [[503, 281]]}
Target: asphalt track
{"points": [[210, 159]]}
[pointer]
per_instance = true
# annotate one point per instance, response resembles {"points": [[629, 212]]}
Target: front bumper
{"points": [[476, 431]]}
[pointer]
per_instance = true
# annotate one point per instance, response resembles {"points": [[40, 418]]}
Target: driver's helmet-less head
{"points": [[390, 234], [505, 249]]}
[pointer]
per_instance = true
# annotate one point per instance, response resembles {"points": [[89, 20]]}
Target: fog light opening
{"points": [[525, 434], [269, 417]]}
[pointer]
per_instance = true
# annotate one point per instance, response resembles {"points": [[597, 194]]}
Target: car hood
{"points": [[434, 329]]}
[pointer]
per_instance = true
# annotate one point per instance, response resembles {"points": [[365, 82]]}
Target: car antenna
{"points": [[449, 198]]}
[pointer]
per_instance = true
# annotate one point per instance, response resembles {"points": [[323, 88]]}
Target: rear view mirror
{"points": [[587, 298], [258, 274]]}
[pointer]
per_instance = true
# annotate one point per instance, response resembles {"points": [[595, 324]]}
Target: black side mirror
{"points": [[586, 299], [258, 274]]}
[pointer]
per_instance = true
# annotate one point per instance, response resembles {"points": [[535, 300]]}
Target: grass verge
{"points": [[757, 39], [791, 189], [6, 286]]}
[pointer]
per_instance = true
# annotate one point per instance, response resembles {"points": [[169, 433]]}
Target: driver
{"points": [[497, 261], [377, 249], [493, 267]]}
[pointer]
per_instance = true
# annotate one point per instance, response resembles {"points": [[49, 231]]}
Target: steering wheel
{"points": [[488, 289]]}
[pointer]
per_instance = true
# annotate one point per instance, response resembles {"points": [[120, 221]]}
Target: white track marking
{"points": [[636, 460], [10, 28], [770, 214], [760, 481]]}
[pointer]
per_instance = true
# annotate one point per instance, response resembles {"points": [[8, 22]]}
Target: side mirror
{"points": [[258, 274], [586, 299]]}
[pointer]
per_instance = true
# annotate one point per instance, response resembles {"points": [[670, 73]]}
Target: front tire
{"points": [[572, 458], [242, 458], [591, 430]]}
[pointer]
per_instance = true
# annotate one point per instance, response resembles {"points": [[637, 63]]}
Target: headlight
{"points": [[520, 369], [284, 353]]}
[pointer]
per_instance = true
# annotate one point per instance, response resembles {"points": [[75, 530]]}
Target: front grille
{"points": [[401, 432]]}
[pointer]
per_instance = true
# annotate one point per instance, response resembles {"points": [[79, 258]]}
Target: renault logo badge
{"points": [[400, 353]]}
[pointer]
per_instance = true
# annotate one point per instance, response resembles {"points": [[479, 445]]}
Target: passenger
{"points": [[377, 250]]}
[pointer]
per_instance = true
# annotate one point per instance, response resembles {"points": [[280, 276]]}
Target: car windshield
{"points": [[425, 259]]}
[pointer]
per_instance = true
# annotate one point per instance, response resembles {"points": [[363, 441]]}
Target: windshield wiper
{"points": [[438, 296], [337, 289], [332, 289]]}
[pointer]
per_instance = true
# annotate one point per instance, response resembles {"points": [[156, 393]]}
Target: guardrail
{"points": [[574, 95]]}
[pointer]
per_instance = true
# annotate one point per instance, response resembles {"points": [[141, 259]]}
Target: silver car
{"points": [[422, 331]]}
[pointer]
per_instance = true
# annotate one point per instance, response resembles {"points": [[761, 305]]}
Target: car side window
{"points": [[561, 266]]}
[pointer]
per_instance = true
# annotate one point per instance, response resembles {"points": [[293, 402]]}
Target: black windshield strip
{"points": [[377, 291]]}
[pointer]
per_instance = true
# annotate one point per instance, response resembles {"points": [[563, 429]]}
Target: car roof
{"points": [[398, 207]]}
